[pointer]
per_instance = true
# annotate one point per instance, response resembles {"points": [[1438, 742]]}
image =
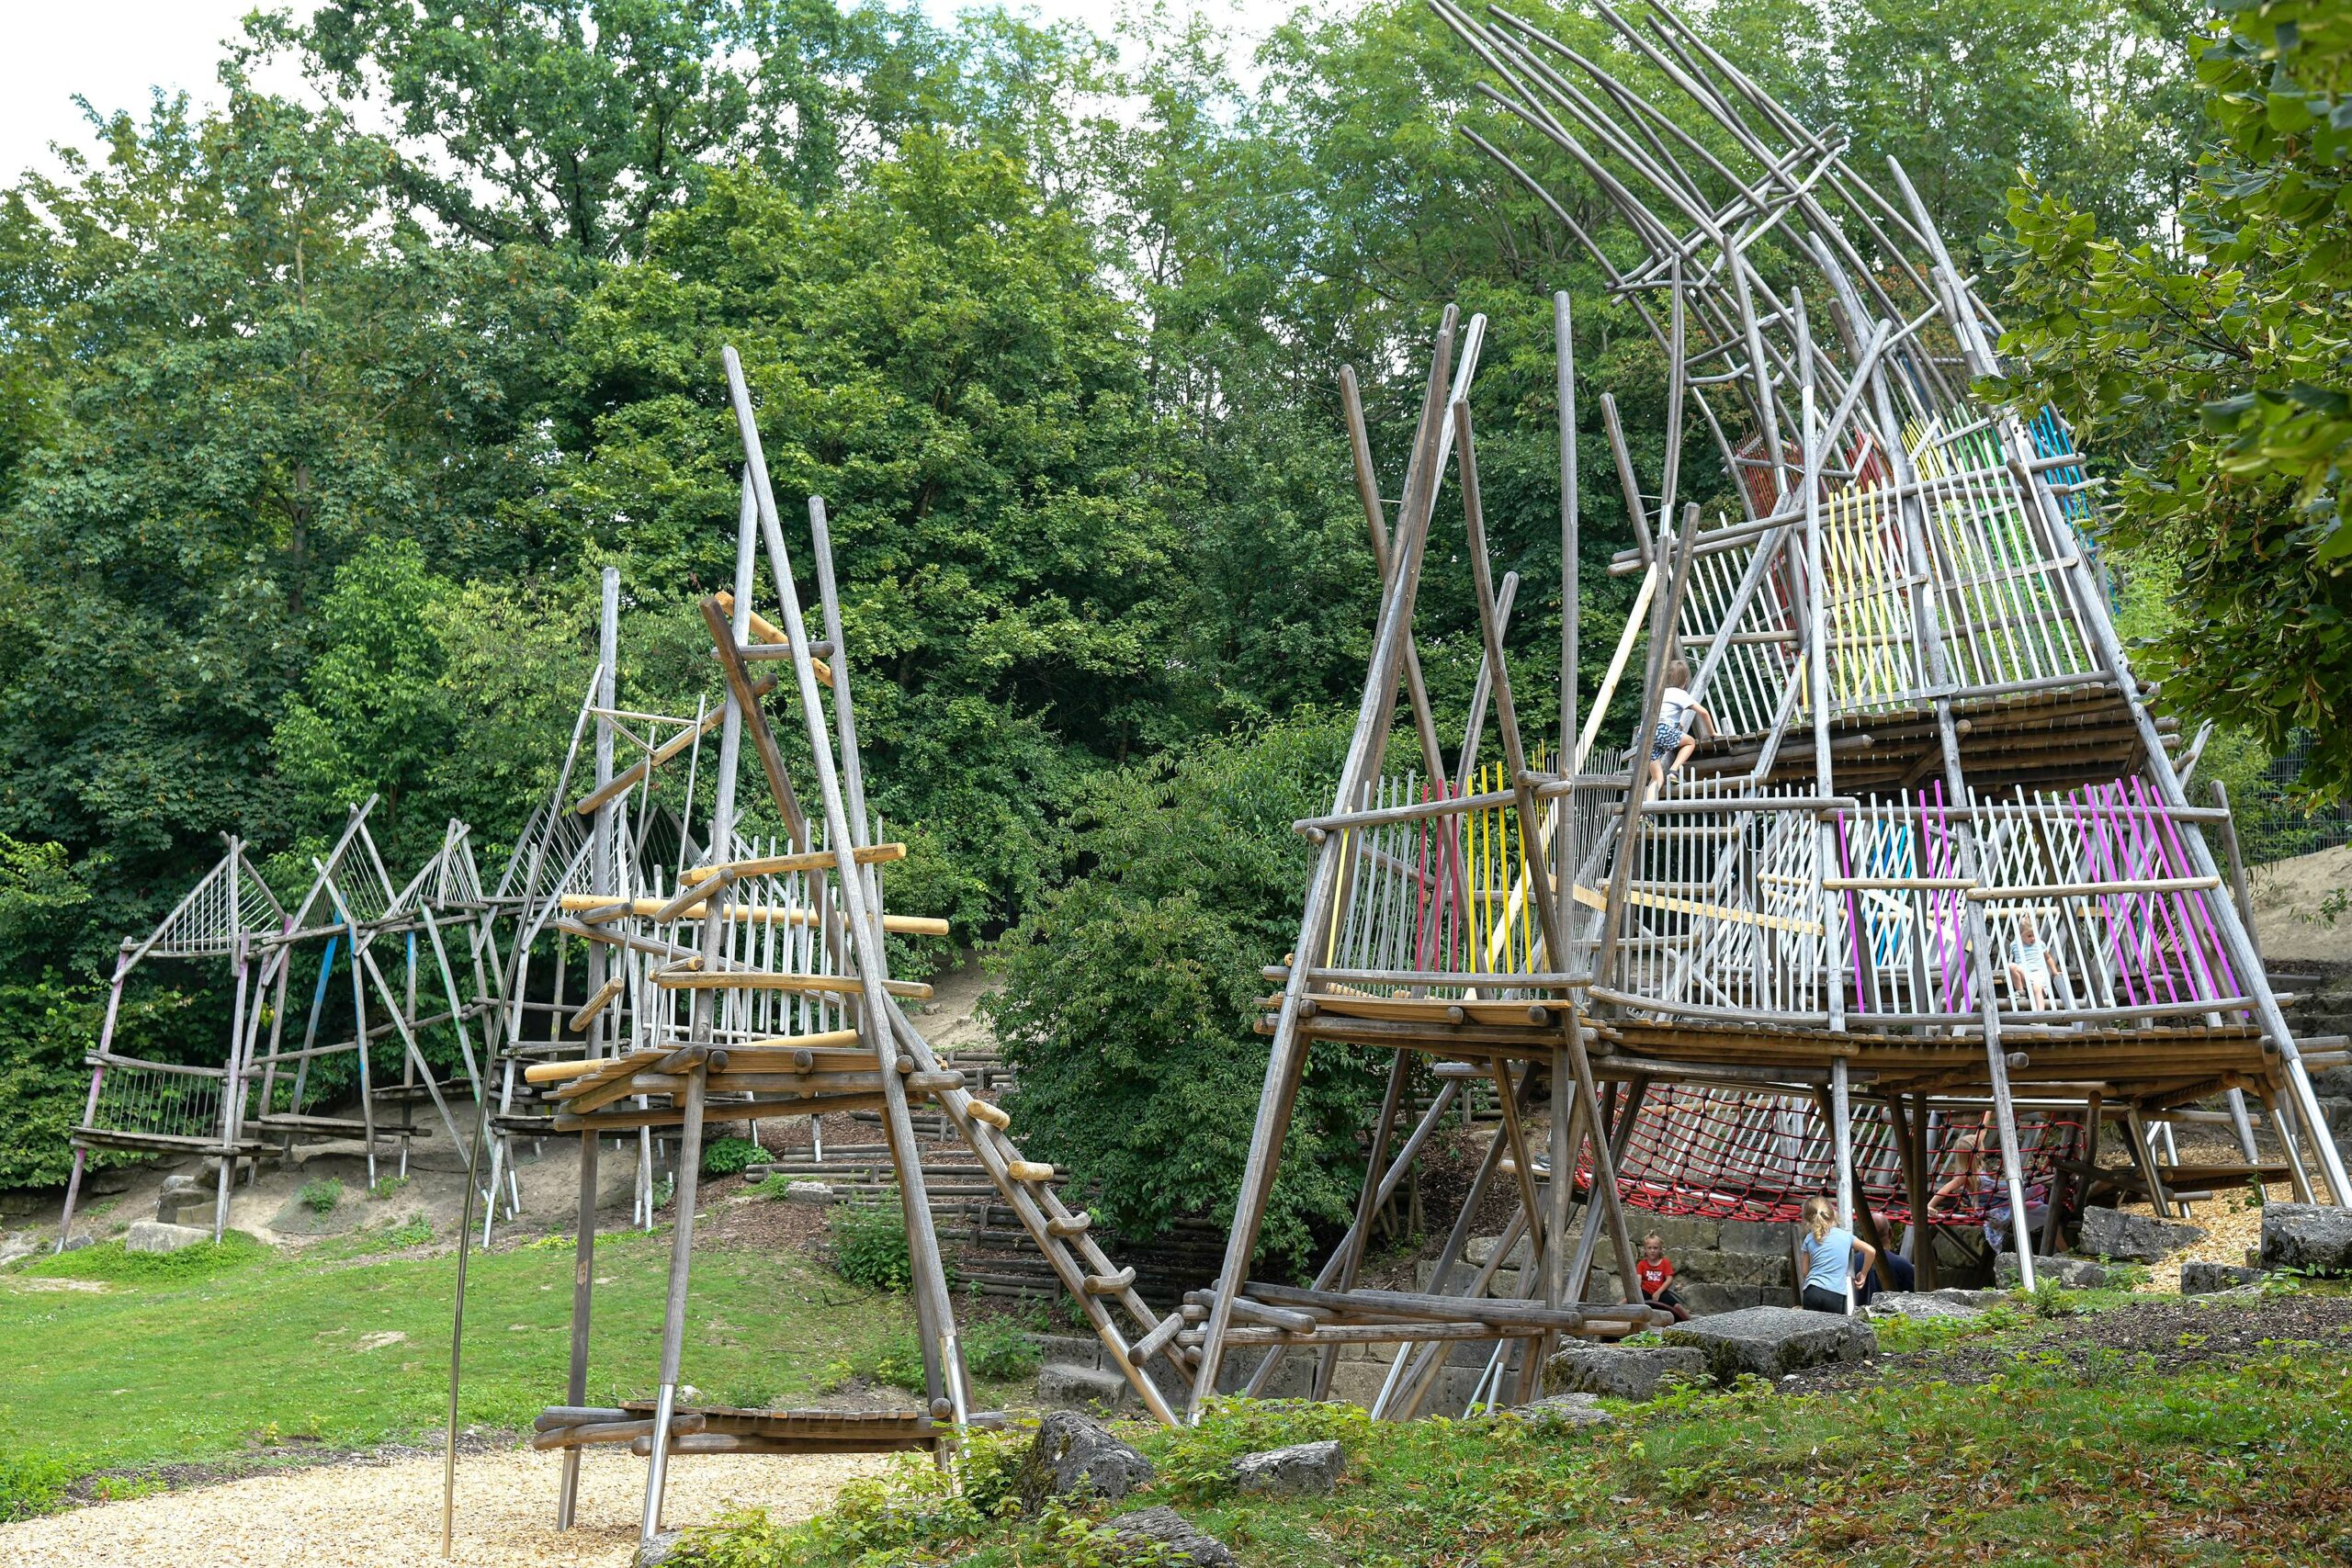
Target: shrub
{"points": [[896, 1361], [387, 1187], [1002, 1350], [414, 1231], [321, 1196], [731, 1156], [112, 1261], [870, 1244], [1130, 995]]}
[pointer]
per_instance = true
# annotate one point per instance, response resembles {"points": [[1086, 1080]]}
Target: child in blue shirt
{"points": [[1833, 1256]]}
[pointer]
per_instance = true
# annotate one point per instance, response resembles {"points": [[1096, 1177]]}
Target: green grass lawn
{"points": [[2111, 1461], [238, 1351]]}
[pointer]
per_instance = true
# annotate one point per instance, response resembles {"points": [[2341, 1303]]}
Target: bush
{"points": [[113, 1262], [1002, 1350], [1130, 995], [731, 1156], [321, 1196], [870, 1244], [896, 1362]]}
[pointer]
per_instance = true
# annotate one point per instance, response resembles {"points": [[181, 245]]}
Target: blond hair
{"points": [[1677, 672], [1821, 1217]]}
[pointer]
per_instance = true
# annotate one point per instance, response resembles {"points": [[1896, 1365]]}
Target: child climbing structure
{"points": [[1930, 909], [759, 985]]}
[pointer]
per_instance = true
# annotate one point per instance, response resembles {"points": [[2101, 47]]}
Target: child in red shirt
{"points": [[1654, 1271]]}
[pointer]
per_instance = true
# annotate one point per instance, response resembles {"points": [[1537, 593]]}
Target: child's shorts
{"points": [[1668, 737]]}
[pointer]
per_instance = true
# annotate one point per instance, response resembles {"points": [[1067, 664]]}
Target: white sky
{"points": [[113, 51]]}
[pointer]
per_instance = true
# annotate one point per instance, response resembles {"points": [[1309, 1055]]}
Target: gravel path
{"points": [[388, 1515]]}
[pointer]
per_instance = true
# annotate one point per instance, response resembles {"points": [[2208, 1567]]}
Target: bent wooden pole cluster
{"points": [[1929, 901], [389, 968], [732, 977]]}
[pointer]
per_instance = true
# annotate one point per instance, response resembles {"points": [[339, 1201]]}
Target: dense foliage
{"points": [[1131, 994], [313, 438], [2224, 364]]}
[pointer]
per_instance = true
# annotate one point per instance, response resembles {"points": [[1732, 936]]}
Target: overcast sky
{"points": [[113, 51]]}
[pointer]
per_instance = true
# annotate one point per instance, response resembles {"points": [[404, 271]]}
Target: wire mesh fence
{"points": [[2273, 826]]}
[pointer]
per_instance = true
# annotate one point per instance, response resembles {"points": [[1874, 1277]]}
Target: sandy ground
{"points": [[388, 1515], [2288, 897]]}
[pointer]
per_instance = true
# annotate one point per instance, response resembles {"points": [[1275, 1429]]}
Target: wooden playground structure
{"points": [[1786, 970], [396, 947], [756, 983]]}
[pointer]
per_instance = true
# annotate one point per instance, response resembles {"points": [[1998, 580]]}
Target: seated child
{"points": [[2030, 963], [1654, 1271]]}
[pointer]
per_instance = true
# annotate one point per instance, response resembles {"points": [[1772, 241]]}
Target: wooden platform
{"points": [[2055, 738], [733, 1429], [2155, 1067], [774, 1078]]}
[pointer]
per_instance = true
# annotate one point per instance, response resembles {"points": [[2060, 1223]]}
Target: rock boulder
{"points": [[1910, 1304], [1622, 1371], [153, 1236], [1163, 1536], [2135, 1238], [1303, 1470], [1074, 1454], [2308, 1237], [2070, 1273], [2198, 1277], [1772, 1341], [1564, 1410]]}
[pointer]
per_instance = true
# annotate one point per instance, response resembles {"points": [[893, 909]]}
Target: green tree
{"points": [[1130, 995], [938, 356], [2221, 372], [2092, 97], [250, 366], [572, 122]]}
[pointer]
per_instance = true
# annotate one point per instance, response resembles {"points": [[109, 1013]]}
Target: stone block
{"points": [[1706, 1300], [1070, 1350], [1479, 1249], [2135, 1238], [1081, 1388], [2200, 1278], [1756, 1236], [1076, 1455], [1733, 1268], [1294, 1379], [1622, 1371], [1681, 1232], [186, 1208], [2308, 1237], [2070, 1273], [1303, 1470], [1359, 1382], [153, 1236], [1565, 1410], [1910, 1304], [1774, 1341], [1162, 1537]]}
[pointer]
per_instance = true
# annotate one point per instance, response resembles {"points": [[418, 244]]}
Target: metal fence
{"points": [[2272, 828]]}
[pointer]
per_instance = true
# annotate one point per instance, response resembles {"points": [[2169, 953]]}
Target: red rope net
{"points": [[1731, 1154]]}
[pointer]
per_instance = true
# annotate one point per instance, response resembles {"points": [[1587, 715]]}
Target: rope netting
{"points": [[1732, 1154]]}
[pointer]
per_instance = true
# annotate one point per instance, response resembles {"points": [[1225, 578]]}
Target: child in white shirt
{"points": [[2030, 962], [1675, 711]]}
